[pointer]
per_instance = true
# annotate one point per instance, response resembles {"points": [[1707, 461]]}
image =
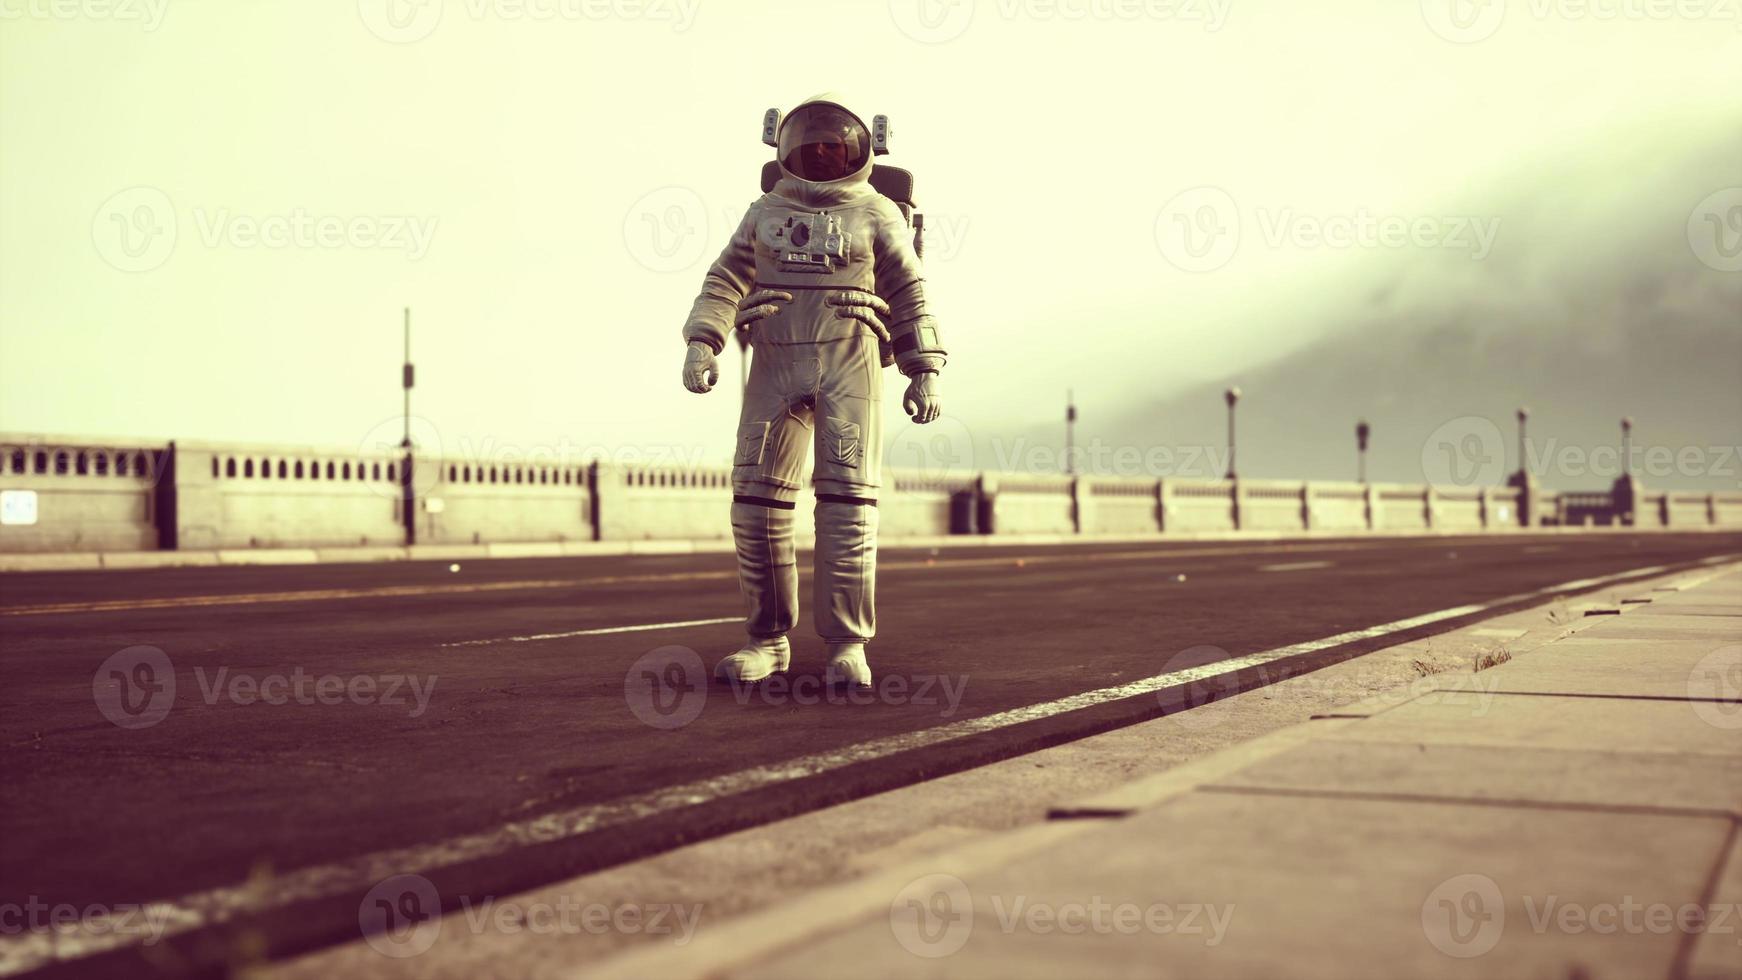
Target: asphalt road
{"points": [[515, 721]]}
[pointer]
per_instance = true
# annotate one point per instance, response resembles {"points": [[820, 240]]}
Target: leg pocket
{"points": [[841, 442], [752, 441]]}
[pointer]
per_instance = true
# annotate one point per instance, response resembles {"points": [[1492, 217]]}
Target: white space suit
{"points": [[823, 272]]}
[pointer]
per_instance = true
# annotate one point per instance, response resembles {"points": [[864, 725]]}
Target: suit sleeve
{"points": [[913, 331], [728, 281]]}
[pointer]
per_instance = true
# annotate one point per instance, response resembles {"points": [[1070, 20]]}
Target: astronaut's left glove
{"points": [[921, 400], [700, 371]]}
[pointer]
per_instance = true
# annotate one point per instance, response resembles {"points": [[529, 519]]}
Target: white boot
{"points": [[757, 660], [847, 666]]}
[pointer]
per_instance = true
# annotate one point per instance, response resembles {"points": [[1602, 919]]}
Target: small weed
{"points": [[1493, 658]]}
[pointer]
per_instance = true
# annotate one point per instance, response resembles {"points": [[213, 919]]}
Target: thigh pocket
{"points": [[752, 440], [841, 442]]}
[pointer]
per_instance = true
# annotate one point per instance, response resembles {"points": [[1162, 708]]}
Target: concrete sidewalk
{"points": [[1571, 813]]}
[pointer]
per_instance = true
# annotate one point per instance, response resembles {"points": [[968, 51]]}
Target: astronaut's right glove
{"points": [[921, 400], [700, 371]]}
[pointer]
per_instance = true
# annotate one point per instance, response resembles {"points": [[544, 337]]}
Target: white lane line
{"points": [[598, 632], [91, 936], [1295, 566]]}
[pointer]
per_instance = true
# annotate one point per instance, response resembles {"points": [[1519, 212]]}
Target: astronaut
{"points": [[823, 274]]}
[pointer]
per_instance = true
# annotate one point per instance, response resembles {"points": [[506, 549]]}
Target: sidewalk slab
{"points": [[1595, 665], [1553, 722], [1372, 888], [1717, 953], [1637, 626], [1516, 776]]}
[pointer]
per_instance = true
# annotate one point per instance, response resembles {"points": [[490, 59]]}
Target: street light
{"points": [[1523, 416], [1627, 445], [1233, 396], [1361, 432], [1070, 432]]}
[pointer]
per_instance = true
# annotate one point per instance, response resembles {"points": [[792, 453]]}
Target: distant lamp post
{"points": [[407, 490], [1070, 432], [1362, 430], [1627, 446], [1233, 397], [1523, 417]]}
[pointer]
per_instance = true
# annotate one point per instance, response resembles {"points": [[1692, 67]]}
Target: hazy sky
{"points": [[212, 211]]}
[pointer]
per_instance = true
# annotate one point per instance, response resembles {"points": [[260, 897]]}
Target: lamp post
{"points": [[1523, 417], [1232, 395], [407, 490], [1627, 446], [1361, 432], [1070, 432]]}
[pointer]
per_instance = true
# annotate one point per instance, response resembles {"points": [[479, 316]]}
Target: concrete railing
{"points": [[74, 494]]}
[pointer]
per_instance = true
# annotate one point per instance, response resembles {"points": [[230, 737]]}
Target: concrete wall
{"points": [[97, 495]]}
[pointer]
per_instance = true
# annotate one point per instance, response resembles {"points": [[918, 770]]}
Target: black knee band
{"points": [[841, 498], [769, 502]]}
